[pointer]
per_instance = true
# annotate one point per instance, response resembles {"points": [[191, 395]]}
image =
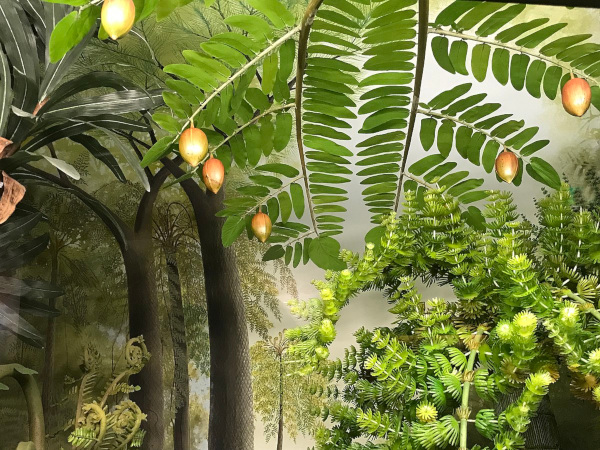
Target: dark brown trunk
{"points": [[280, 431], [231, 422], [48, 371], [144, 321], [181, 382]]}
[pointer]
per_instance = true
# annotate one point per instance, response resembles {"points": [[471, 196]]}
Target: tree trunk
{"points": [[280, 431], [48, 371], [231, 420], [181, 382], [144, 321]]}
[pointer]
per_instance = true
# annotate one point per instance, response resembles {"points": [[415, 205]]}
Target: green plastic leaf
{"points": [[551, 81], [559, 45], [543, 172], [71, 30], [490, 153], [279, 168], [157, 151], [297, 195], [458, 56], [269, 74], [289, 251], [499, 19], [451, 13], [515, 31], [439, 47], [274, 252], [518, 69], [445, 137], [275, 11], [232, 228], [267, 129], [480, 58], [533, 82], [167, 122], [427, 134], [420, 167], [257, 27], [477, 14], [324, 252], [500, 65], [285, 205], [287, 54], [297, 254], [535, 39], [283, 131], [445, 98]]}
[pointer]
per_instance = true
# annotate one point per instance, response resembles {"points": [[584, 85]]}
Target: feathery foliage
{"points": [[526, 303], [357, 60]]}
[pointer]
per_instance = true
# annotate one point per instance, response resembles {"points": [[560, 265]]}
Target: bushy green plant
{"points": [[525, 305]]}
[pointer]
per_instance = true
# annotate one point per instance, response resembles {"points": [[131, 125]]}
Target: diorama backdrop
{"points": [[85, 261]]}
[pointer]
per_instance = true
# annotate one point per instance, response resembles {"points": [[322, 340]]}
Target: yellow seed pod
{"points": [[117, 17]]}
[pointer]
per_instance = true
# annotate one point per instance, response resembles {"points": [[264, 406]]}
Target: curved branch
{"points": [[514, 48], [307, 21], [37, 431], [421, 52], [143, 219], [117, 227]]}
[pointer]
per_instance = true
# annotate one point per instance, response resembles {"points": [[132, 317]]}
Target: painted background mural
{"points": [[138, 309]]}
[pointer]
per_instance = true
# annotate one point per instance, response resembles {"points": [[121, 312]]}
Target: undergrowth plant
{"points": [[525, 304], [111, 420]]}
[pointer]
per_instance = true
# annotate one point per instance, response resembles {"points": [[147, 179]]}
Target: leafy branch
{"points": [[250, 64], [305, 27], [514, 48], [439, 115]]}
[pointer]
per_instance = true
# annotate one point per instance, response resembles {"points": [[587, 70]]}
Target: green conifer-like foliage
{"points": [[525, 304]]}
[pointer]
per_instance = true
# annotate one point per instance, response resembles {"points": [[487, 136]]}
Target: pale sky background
{"points": [[564, 131]]}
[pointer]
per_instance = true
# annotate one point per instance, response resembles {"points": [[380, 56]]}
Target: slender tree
{"points": [[282, 397], [172, 228]]}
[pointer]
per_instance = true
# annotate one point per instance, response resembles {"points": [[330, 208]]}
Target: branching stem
{"points": [[274, 193], [254, 120], [513, 48], [464, 405], [238, 74], [419, 180], [593, 311], [439, 115]]}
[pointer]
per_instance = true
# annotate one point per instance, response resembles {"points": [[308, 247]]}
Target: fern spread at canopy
{"points": [[524, 296], [361, 61]]}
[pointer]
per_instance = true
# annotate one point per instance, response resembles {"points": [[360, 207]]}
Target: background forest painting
{"points": [[139, 306]]}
